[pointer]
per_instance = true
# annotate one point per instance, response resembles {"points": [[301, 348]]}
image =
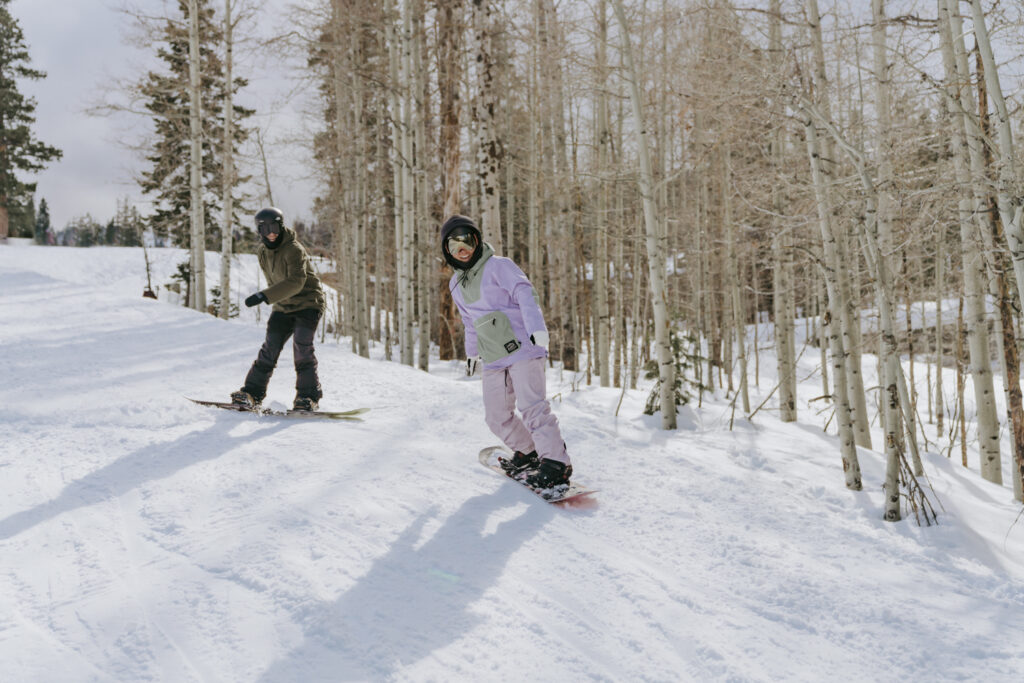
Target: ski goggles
{"points": [[267, 228], [455, 242]]}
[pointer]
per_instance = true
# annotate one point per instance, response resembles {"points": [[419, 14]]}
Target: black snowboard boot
{"points": [[519, 462], [245, 399], [305, 403], [551, 473]]}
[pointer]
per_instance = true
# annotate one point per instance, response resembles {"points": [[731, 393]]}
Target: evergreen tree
{"points": [[19, 150], [167, 99], [110, 233], [42, 227], [82, 231], [21, 217], [127, 225]]}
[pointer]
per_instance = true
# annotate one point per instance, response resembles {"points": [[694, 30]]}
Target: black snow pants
{"points": [[302, 324]]}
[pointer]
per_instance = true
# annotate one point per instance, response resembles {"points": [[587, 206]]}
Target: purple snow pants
{"points": [[522, 384]]}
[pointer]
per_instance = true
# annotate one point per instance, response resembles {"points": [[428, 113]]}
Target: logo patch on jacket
{"points": [[511, 346]]}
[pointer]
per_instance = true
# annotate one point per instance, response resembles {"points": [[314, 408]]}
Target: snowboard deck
{"points": [[558, 494], [352, 415]]}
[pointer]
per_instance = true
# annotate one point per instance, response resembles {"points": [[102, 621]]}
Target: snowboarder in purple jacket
{"points": [[505, 328]]}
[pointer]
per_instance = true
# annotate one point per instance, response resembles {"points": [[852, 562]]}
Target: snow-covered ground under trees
{"points": [[145, 538]]}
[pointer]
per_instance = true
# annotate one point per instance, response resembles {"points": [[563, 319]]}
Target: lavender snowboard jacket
{"points": [[499, 311]]}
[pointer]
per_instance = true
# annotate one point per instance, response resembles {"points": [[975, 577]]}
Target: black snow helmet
{"points": [[270, 220], [453, 227]]}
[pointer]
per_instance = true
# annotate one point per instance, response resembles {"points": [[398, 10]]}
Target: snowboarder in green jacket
{"points": [[294, 291]]}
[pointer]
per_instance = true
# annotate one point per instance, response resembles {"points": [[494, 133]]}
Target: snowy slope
{"points": [[146, 538]]}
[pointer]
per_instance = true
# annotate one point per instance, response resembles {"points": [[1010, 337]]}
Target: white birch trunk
{"points": [[739, 322], [621, 329], [848, 317], [533, 250], [841, 401], [361, 333], [892, 372], [883, 213], [379, 289], [423, 303], [785, 348], [198, 232], [601, 313], [655, 250], [895, 390], [940, 289], [488, 147], [449, 29], [396, 100], [228, 166], [408, 197], [782, 272], [823, 344], [1008, 188], [968, 134], [557, 209]]}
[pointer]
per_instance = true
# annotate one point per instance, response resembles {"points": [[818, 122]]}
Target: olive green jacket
{"points": [[292, 283]]}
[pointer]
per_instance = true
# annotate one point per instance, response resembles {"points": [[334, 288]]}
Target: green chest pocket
{"points": [[494, 337]]}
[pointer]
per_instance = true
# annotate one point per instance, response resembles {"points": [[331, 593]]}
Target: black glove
{"points": [[256, 299]]}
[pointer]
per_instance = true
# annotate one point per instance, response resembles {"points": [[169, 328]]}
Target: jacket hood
{"points": [[448, 228], [471, 271]]}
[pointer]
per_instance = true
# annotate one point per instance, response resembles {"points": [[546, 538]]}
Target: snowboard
{"points": [[557, 494], [260, 410]]}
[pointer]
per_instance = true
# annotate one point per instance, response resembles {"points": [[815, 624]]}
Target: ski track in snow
{"points": [[144, 538]]}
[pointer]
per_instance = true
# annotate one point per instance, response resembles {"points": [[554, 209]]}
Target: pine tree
{"points": [[42, 227], [21, 217], [167, 99], [19, 150]]}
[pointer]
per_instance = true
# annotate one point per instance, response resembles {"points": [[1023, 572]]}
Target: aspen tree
{"points": [[847, 317], [449, 35], [621, 329], [895, 394], [655, 250], [363, 97], [401, 105], [228, 166], [940, 288], [407, 246], [880, 194], [488, 146], [396, 303], [380, 179], [347, 59], [821, 312], [1010, 209], [840, 398], [534, 154], [197, 262], [739, 322], [894, 397], [782, 275], [967, 134], [555, 204], [420, 97], [603, 134], [1003, 216]]}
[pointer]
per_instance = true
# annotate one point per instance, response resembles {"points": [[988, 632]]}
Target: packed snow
{"points": [[146, 538]]}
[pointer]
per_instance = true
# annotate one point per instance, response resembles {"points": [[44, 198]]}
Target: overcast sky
{"points": [[81, 45]]}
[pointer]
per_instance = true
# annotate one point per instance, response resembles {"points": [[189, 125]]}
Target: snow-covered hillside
{"points": [[145, 538]]}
